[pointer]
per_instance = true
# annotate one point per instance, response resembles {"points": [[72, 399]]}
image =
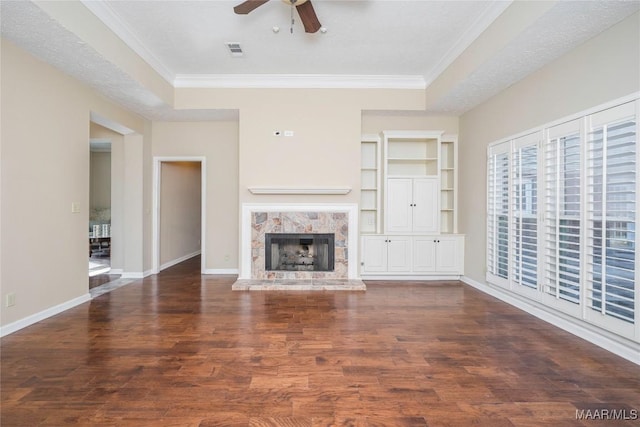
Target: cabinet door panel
{"points": [[449, 255], [424, 254], [399, 199], [399, 254], [374, 254], [426, 210]]}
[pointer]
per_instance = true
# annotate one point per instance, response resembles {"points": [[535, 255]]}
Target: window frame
{"points": [[581, 310]]}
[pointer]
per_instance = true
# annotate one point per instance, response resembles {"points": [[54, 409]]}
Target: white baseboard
{"points": [[179, 260], [136, 274], [221, 271], [409, 277], [116, 271], [44, 314], [132, 275], [613, 343]]}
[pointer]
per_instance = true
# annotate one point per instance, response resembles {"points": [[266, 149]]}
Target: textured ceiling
{"points": [[186, 39]]}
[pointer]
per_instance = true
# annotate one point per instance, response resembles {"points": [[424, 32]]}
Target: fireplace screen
{"points": [[299, 252]]}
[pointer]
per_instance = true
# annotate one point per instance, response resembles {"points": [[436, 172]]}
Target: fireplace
{"points": [[317, 220], [299, 252]]}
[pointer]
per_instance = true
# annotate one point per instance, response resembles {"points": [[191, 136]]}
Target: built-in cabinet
{"points": [[409, 205], [408, 211]]}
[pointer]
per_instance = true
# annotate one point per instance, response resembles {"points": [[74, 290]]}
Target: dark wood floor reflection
{"points": [[180, 349]]}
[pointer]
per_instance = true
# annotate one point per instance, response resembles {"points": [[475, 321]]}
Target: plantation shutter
{"points": [[562, 212], [498, 211], [611, 212], [524, 211]]}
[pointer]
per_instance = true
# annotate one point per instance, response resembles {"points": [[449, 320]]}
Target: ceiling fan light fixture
{"points": [[294, 2]]}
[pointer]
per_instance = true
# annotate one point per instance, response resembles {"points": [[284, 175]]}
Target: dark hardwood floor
{"points": [[180, 349]]}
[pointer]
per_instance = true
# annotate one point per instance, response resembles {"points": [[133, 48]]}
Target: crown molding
{"points": [[109, 18], [299, 81], [483, 22]]}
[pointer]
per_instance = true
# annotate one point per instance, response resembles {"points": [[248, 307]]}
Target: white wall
{"points": [[180, 211], [602, 69]]}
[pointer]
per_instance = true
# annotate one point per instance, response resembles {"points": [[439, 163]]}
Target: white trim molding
{"points": [[155, 234], [300, 190], [245, 230], [44, 314], [179, 260], [299, 81], [221, 271], [600, 337]]}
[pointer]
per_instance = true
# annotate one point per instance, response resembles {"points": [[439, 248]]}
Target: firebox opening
{"points": [[299, 252]]}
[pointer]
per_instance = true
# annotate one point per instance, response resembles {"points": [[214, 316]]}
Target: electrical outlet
{"points": [[288, 133], [226, 257], [11, 300]]}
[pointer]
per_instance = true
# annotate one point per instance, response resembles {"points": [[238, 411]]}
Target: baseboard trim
{"points": [[116, 271], [132, 275], [221, 271], [610, 342], [410, 277], [179, 260], [42, 315]]}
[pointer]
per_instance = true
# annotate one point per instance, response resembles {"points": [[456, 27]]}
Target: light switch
{"points": [[75, 207]]}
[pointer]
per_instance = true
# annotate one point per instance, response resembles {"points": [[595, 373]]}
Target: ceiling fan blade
{"points": [[308, 17], [247, 6]]}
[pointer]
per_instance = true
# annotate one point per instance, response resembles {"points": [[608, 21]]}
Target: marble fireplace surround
{"points": [[258, 219]]}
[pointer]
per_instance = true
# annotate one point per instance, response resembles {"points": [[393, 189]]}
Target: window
{"points": [[498, 212], [611, 184], [562, 212], [576, 250], [524, 211]]}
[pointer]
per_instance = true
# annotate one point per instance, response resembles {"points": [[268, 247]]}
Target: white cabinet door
{"points": [[424, 254], [450, 254], [398, 213], [374, 254], [426, 208], [398, 254]]}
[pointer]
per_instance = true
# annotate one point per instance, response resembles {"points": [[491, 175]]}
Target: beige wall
{"points": [[180, 210], [100, 180], [45, 168], [603, 69], [325, 148], [374, 122], [217, 142]]}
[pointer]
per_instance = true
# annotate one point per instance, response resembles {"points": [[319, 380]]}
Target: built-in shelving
{"points": [[370, 188], [448, 184], [409, 191]]}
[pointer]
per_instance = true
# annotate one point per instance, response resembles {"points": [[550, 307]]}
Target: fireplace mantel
{"points": [[301, 190], [246, 240]]}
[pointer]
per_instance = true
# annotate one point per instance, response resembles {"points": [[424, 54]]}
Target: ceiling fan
{"points": [[304, 8]]}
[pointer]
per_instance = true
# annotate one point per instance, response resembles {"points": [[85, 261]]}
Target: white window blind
{"points": [[562, 212], [575, 250], [498, 211], [524, 211], [611, 212]]}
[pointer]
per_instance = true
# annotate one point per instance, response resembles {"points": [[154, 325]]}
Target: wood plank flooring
{"points": [[180, 349]]}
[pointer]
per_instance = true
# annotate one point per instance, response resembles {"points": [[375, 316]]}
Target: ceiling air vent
{"points": [[234, 48]]}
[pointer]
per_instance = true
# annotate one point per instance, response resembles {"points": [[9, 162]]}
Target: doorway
{"points": [[100, 212], [179, 201]]}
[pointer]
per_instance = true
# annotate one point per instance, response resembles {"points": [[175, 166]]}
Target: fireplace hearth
{"points": [[299, 252]]}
